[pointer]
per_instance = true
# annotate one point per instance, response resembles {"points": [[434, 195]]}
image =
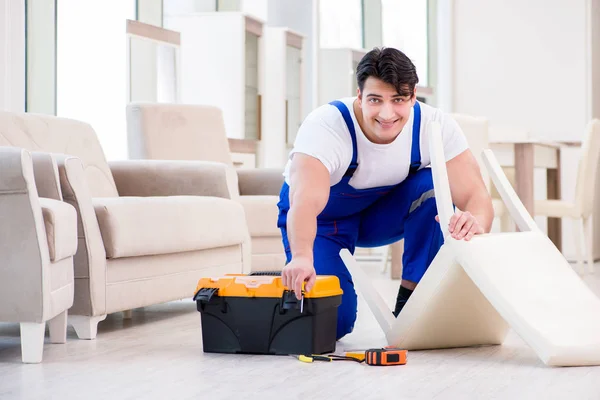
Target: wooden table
{"points": [[523, 154]]}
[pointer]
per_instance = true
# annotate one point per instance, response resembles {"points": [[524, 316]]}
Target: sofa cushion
{"points": [[261, 215], [144, 226], [60, 221]]}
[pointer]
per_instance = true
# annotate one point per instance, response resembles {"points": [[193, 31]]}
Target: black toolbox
{"points": [[257, 315]]}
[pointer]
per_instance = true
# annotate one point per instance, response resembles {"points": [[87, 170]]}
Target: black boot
{"points": [[403, 295]]}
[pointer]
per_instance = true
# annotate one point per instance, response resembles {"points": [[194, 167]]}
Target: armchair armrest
{"points": [[260, 181], [90, 258], [45, 171], [174, 178], [23, 245]]}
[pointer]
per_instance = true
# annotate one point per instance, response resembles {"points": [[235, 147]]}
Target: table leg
{"points": [[553, 192], [524, 175]]}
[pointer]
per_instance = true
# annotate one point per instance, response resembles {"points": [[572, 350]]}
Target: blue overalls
{"points": [[371, 218]]}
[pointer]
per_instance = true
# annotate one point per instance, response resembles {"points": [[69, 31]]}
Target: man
{"points": [[357, 176]]}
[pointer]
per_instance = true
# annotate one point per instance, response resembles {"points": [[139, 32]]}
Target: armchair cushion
{"points": [[143, 226], [261, 215], [260, 181], [174, 178], [60, 220]]}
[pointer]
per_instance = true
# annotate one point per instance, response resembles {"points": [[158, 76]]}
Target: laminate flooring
{"points": [[158, 355]]}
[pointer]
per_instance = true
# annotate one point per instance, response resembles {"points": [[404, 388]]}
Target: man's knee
{"points": [[347, 311]]}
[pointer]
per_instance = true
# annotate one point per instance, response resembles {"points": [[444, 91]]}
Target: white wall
{"points": [[210, 75], [41, 57], [341, 23], [178, 7], [150, 11], [302, 17], [404, 26], [257, 8], [12, 56], [272, 150], [595, 49], [523, 64], [373, 23], [532, 65], [91, 67]]}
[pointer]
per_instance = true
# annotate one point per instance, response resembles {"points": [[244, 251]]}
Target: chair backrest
{"points": [[476, 130], [441, 185], [177, 132], [588, 168], [46, 133], [516, 209]]}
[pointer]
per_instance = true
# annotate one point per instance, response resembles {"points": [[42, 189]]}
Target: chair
{"points": [[38, 238], [147, 230], [197, 132], [581, 208]]}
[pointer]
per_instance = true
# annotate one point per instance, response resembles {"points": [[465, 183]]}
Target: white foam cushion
{"points": [[529, 282], [447, 310]]}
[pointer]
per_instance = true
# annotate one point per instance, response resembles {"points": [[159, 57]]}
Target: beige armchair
{"points": [[38, 238], [148, 230], [196, 132]]}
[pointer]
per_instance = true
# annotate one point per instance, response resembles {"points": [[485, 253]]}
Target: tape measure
{"points": [[385, 356]]}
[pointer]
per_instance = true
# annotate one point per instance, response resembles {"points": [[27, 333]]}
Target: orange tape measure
{"points": [[385, 356]]}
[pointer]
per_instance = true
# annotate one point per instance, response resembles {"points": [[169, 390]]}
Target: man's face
{"points": [[384, 110]]}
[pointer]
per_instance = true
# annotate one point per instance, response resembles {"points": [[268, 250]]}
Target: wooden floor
{"points": [[158, 355]]}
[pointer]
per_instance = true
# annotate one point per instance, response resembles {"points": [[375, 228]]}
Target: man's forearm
{"points": [[301, 230], [480, 206]]}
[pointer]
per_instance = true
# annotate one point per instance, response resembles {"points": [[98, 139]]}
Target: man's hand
{"points": [[296, 272], [470, 194], [463, 225]]}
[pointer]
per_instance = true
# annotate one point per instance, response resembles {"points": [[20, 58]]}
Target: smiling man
{"points": [[358, 176]]}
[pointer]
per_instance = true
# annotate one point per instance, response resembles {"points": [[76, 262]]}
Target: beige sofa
{"points": [[38, 238], [147, 230], [197, 132]]}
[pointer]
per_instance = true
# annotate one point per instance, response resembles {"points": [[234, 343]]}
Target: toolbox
{"points": [[256, 314]]}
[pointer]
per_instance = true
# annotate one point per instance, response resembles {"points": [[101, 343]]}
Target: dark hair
{"points": [[391, 66]]}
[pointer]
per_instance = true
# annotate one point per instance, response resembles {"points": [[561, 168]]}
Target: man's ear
{"points": [[359, 96]]}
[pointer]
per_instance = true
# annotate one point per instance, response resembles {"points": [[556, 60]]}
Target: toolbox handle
{"points": [[289, 300], [205, 294], [253, 282]]}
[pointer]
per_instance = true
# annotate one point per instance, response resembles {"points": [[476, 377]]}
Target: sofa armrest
{"points": [[174, 178], [260, 181], [90, 258], [45, 171]]}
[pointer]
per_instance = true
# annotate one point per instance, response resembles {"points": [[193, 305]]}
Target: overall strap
{"points": [[415, 152], [348, 119]]}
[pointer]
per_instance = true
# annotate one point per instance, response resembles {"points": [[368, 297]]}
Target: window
{"points": [[341, 23], [405, 26], [92, 67]]}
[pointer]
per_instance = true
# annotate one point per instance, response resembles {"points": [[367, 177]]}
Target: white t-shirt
{"points": [[325, 136]]}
